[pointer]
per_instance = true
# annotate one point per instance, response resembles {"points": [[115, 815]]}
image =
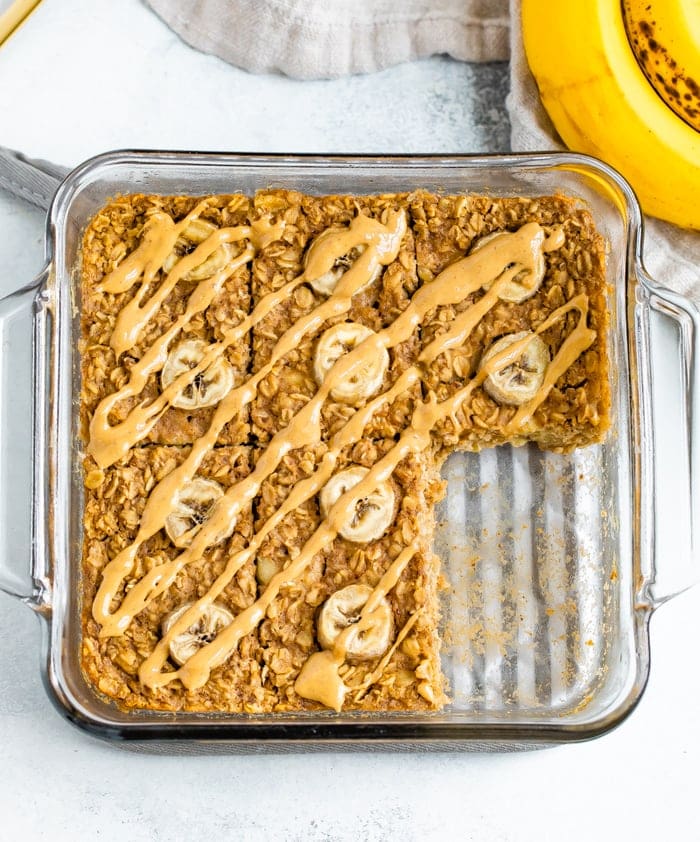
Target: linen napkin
{"points": [[325, 39], [671, 254]]}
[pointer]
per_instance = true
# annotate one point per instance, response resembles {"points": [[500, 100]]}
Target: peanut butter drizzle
{"points": [[305, 425], [161, 577], [135, 316], [379, 241], [300, 493], [195, 672], [160, 234], [108, 443], [579, 340], [495, 264], [465, 322], [382, 248], [319, 679], [160, 237]]}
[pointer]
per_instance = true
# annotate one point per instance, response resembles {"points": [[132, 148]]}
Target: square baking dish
{"points": [[551, 559]]}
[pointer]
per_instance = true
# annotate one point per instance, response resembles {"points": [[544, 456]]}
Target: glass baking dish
{"points": [[552, 560]]}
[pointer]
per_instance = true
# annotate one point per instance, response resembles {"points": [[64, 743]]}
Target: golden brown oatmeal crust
{"points": [[113, 234], [291, 383], [576, 412]]}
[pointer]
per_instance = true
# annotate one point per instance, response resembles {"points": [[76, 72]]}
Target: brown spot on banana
{"points": [[663, 38]]}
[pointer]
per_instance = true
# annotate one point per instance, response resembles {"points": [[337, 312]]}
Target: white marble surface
{"points": [[83, 76]]}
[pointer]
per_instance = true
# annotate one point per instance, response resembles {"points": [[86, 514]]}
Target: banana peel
{"points": [[601, 103], [665, 38]]}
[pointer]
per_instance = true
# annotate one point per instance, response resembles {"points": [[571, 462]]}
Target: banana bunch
{"points": [[621, 81]]}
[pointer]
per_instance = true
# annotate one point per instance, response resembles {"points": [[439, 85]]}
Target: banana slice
{"points": [[366, 379], [197, 232], [373, 513], [326, 283], [518, 382], [525, 284], [207, 388], [195, 502], [212, 620], [265, 569], [342, 609]]}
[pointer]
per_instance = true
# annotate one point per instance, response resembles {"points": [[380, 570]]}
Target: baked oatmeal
{"points": [[576, 409], [350, 567], [122, 321], [115, 501], [294, 378], [269, 387]]}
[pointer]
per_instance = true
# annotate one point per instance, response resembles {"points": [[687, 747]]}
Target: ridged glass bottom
{"points": [[526, 539]]}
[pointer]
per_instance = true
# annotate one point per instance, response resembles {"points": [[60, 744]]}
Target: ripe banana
{"points": [[207, 388], [326, 283], [213, 619], [665, 38], [193, 507], [601, 102], [197, 232], [373, 513]]}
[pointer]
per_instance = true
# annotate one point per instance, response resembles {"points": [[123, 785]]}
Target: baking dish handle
{"points": [[23, 337], [674, 332]]}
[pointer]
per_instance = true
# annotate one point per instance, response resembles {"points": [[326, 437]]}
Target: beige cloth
{"points": [[671, 254], [325, 39]]}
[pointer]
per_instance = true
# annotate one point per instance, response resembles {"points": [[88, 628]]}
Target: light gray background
{"points": [[83, 76]]}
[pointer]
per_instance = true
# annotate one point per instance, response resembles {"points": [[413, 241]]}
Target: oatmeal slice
{"points": [[571, 272], [114, 507], [383, 292], [114, 348], [399, 668]]}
